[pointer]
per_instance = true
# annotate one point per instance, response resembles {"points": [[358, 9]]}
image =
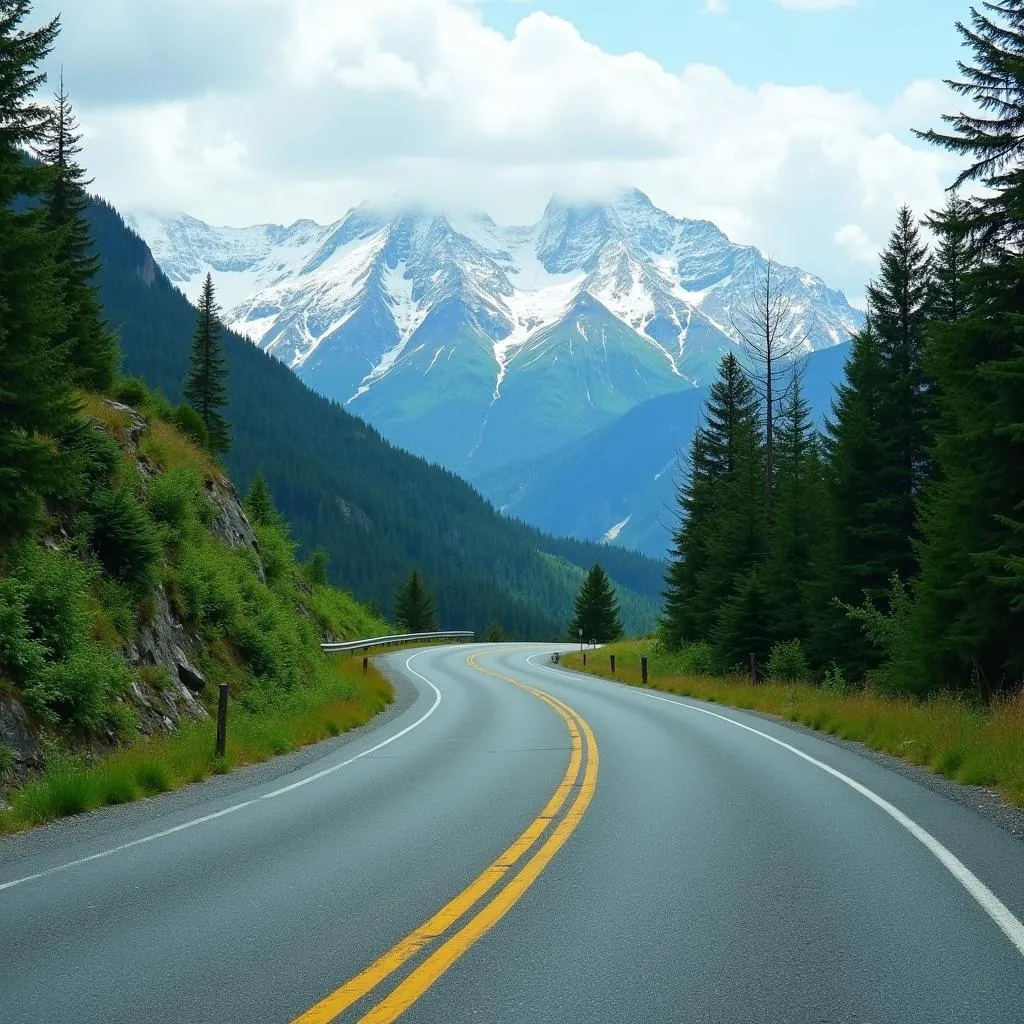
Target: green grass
{"points": [[343, 699], [946, 734]]}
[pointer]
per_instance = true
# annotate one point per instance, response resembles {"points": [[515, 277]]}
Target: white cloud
{"points": [[334, 101]]}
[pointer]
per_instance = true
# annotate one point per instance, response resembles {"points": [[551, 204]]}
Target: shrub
{"points": [[124, 538], [91, 461], [80, 690], [178, 500], [316, 568], [22, 657], [834, 680], [209, 588], [277, 552], [697, 659], [787, 663], [55, 592], [191, 424], [158, 406], [131, 391]]}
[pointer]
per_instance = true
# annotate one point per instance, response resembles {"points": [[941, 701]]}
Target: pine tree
{"points": [[953, 263], [854, 558], [967, 616], [596, 610], [798, 521], [206, 384], [90, 345], [720, 533], [35, 399], [742, 625], [415, 610], [898, 307], [259, 504], [769, 328]]}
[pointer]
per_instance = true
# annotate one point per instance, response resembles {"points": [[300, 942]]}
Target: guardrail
{"points": [[399, 638]]}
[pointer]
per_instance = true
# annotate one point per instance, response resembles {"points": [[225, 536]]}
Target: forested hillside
{"points": [[132, 582], [890, 549], [375, 509]]}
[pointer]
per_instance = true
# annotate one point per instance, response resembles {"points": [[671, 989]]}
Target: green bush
{"points": [[158, 406], [22, 658], [209, 583], [698, 659], [177, 499], [55, 590], [91, 461], [834, 681], [131, 391], [787, 663], [124, 538], [153, 777], [191, 424], [80, 691], [315, 570], [277, 553]]}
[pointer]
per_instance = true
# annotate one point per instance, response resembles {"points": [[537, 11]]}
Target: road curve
{"points": [[524, 844]]}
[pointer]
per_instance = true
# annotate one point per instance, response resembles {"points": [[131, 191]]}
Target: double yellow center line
{"points": [[583, 757]]}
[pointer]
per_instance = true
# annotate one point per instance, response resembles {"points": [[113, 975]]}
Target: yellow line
{"points": [[417, 983], [358, 986]]}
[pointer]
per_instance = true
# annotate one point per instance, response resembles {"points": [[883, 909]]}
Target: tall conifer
{"points": [[898, 307], [35, 400], [206, 383], [90, 345], [799, 517], [596, 610], [968, 613], [854, 559], [721, 525]]}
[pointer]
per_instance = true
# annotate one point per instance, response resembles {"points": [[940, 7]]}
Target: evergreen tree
{"points": [[968, 617], [35, 398], [721, 526], [259, 504], [596, 609], [898, 306], [91, 347], [953, 262], [742, 625], [799, 516], [206, 384], [854, 560], [495, 634], [415, 610]]}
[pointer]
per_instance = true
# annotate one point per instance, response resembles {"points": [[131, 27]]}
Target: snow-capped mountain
{"points": [[476, 344]]}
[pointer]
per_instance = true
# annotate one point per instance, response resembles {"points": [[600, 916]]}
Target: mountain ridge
{"points": [[404, 315]]}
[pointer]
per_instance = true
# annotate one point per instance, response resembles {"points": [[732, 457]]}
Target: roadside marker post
{"points": [[753, 669], [222, 721], [366, 664], [612, 657], [643, 670]]}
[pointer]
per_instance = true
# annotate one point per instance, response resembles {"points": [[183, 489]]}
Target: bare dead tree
{"points": [[767, 328]]}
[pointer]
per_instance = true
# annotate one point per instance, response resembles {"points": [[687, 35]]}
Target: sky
{"points": [[786, 122]]}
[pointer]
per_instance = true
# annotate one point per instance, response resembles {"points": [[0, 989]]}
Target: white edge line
{"points": [[1011, 927], [245, 803]]}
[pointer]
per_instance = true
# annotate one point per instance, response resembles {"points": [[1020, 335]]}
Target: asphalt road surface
{"points": [[521, 844]]}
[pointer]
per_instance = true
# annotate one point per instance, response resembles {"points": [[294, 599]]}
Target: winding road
{"points": [[522, 844]]}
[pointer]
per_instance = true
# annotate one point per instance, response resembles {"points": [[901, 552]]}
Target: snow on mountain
{"points": [[474, 343]]}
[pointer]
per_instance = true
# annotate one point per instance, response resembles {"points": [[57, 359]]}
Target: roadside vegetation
{"points": [[949, 734], [344, 698]]}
